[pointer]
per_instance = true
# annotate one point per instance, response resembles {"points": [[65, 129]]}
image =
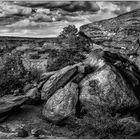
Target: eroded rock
{"points": [[119, 34], [33, 94], [57, 81], [62, 103], [106, 87]]}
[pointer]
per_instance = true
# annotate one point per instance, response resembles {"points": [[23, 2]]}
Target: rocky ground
{"points": [[95, 98]]}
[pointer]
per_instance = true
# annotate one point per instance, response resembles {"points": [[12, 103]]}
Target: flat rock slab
{"points": [[9, 103], [57, 81]]}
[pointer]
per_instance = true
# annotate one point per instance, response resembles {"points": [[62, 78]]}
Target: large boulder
{"points": [[62, 103], [57, 81], [107, 88]]}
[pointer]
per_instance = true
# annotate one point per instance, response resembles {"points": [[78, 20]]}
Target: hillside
{"points": [[120, 34]]}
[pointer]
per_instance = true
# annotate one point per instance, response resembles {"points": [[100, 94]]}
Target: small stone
{"points": [[35, 132], [22, 132]]}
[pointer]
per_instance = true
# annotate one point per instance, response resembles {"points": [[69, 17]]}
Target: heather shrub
{"points": [[13, 75]]}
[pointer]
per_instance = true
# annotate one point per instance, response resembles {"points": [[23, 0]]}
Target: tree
{"points": [[68, 36], [68, 31], [71, 38]]}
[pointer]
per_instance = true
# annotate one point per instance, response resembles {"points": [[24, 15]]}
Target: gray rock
{"points": [[7, 104], [119, 34], [57, 81], [47, 75], [21, 132], [62, 104], [33, 94], [129, 125], [106, 87]]}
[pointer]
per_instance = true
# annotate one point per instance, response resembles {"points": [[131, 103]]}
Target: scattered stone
{"points": [[36, 132]]}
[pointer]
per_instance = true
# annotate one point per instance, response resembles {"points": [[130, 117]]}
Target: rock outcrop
{"points": [[100, 84], [120, 34]]}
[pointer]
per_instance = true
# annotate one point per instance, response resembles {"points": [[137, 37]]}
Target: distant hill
{"points": [[27, 38]]}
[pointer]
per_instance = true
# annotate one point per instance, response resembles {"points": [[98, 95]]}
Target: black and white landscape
{"points": [[69, 69]]}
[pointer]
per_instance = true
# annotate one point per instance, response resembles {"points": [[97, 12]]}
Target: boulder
{"points": [[106, 87], [57, 81], [62, 104]]}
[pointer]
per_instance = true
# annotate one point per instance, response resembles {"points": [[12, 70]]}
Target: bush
{"points": [[33, 76], [100, 125], [64, 58], [11, 74]]}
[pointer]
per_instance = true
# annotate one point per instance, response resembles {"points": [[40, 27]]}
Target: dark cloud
{"points": [[82, 6], [70, 6], [45, 4]]}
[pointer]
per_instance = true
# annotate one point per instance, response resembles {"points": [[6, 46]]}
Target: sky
{"points": [[47, 19]]}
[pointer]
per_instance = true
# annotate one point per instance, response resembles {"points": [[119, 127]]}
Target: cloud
{"points": [[25, 24], [118, 7], [82, 6], [41, 18], [45, 4], [71, 6], [47, 19], [7, 9]]}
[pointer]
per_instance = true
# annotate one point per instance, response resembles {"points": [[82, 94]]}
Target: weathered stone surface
{"points": [[106, 87], [57, 80], [120, 34], [33, 94], [10, 103], [47, 75], [129, 125], [62, 103]]}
